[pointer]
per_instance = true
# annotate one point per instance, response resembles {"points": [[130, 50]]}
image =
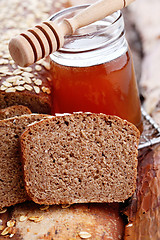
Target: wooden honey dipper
{"points": [[45, 38]]}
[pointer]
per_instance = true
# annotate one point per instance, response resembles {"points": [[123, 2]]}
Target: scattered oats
{"points": [[3, 88], [21, 82], [3, 61], [46, 65], [27, 74], [11, 235], [27, 79], [49, 79], [22, 218], [5, 231], [38, 82], [6, 56], [66, 205], [13, 79], [43, 208], [3, 210], [1, 228], [8, 73], [36, 89], [17, 72], [38, 68], [11, 223], [7, 84], [19, 88], [85, 235], [12, 89], [13, 65], [28, 69], [16, 82], [28, 87], [4, 70], [46, 90], [36, 219]]}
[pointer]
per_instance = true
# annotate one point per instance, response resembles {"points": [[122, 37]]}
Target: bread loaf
{"points": [[12, 189], [80, 158], [30, 86], [12, 111]]}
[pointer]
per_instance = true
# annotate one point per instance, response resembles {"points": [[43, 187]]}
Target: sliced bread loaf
{"points": [[80, 158], [15, 110], [12, 189]]}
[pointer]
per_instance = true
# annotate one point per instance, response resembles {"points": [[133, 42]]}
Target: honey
{"points": [[95, 74]]}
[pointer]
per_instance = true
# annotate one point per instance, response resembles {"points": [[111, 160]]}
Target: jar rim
{"points": [[99, 42], [112, 21]]}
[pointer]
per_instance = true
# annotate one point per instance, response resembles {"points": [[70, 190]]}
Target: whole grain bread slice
{"points": [[80, 158], [15, 110], [12, 188]]}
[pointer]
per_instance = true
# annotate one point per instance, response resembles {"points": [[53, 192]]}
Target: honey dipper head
{"points": [[36, 43], [21, 51]]}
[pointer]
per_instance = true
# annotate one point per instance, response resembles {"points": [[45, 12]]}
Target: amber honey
{"points": [[92, 78]]}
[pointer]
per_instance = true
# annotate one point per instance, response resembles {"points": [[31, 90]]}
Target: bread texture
{"points": [[12, 189], [13, 111], [80, 158]]}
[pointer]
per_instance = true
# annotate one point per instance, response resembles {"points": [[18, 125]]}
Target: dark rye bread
{"points": [[13, 111], [12, 189], [80, 158]]}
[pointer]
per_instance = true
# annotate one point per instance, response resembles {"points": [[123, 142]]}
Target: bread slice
{"points": [[80, 158], [15, 110], [12, 189]]}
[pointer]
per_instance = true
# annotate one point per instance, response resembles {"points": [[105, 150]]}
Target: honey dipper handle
{"points": [[95, 12]]}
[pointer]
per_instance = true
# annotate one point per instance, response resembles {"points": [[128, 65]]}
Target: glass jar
{"points": [[94, 72]]}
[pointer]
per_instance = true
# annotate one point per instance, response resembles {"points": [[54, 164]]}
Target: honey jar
{"points": [[94, 71]]}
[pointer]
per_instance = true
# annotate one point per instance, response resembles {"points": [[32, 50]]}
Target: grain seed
{"points": [[66, 205], [36, 219], [7, 84], [85, 235], [11, 223], [36, 89], [38, 68], [12, 89], [19, 88], [28, 87], [5, 231], [43, 208], [11, 235], [3, 210], [46, 90], [27, 79], [22, 218], [17, 72], [38, 82], [27, 74], [3, 88]]}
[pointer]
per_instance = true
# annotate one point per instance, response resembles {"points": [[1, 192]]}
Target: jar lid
{"points": [[93, 44]]}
